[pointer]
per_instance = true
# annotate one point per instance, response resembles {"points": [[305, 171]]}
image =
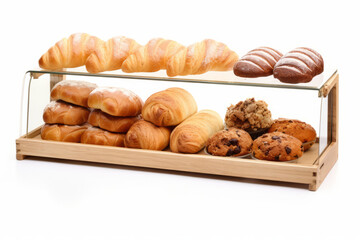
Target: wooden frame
{"points": [[310, 169]]}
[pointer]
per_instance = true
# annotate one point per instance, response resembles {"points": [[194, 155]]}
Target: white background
{"points": [[46, 200]]}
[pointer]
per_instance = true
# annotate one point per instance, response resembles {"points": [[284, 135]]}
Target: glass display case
{"points": [[315, 103]]}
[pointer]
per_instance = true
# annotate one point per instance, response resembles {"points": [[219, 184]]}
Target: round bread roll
{"points": [[118, 102], [169, 107], [98, 136], [63, 133], [65, 113], [146, 135], [76, 92], [97, 118], [301, 130]]}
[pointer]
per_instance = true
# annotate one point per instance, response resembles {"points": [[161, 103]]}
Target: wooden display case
{"points": [[310, 169]]}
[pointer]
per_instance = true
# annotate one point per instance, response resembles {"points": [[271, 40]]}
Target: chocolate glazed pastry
{"points": [[259, 62], [299, 66]]}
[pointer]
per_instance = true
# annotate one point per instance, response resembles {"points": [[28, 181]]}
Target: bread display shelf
{"points": [[311, 169]]}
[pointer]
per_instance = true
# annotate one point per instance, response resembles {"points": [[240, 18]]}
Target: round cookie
{"points": [[229, 142], [277, 146], [301, 130], [75, 92]]}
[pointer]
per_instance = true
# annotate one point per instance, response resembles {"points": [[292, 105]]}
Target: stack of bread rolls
{"points": [[83, 112], [66, 116]]}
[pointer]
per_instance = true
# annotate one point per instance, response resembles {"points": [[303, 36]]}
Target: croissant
{"points": [[198, 58], [146, 135], [111, 55], [152, 57], [169, 107], [70, 52], [191, 135]]}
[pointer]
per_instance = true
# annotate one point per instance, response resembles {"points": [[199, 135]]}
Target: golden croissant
{"points": [[70, 52], [152, 57], [198, 58], [111, 55]]}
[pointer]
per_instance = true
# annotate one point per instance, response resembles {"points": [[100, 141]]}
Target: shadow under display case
{"points": [[315, 103]]}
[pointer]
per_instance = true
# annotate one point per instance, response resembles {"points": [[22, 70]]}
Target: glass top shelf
{"points": [[227, 77]]}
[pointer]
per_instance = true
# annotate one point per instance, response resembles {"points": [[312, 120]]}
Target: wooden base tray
{"points": [[310, 169]]}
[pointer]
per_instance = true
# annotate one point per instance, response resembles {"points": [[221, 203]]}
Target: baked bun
{"points": [[97, 118], [146, 135], [301, 130], [169, 107], [63, 133], [299, 66], [75, 92], [118, 102], [98, 136], [191, 135], [65, 113], [277, 146], [259, 62]]}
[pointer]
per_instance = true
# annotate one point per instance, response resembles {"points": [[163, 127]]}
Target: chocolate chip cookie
{"points": [[277, 146], [301, 130], [229, 142]]}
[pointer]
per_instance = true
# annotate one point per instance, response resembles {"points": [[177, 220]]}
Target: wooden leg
{"points": [[20, 157]]}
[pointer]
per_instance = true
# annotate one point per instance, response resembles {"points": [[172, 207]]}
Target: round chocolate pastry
{"points": [[229, 142], [250, 115], [277, 146], [301, 130]]}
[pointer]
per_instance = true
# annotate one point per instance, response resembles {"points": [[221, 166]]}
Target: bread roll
{"points": [[98, 136], [65, 113], [146, 135], [118, 102], [169, 107], [259, 62], [97, 118], [191, 135], [63, 133], [299, 66], [75, 92]]}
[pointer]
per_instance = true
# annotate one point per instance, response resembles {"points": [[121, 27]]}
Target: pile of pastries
{"points": [[251, 130], [85, 113], [297, 66]]}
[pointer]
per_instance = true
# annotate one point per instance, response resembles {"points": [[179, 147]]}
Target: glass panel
{"points": [[209, 77], [324, 124], [295, 103]]}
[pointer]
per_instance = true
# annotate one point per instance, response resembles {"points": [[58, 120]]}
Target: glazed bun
{"points": [[63, 133], [65, 113], [118, 102], [75, 92], [101, 137], [97, 118]]}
